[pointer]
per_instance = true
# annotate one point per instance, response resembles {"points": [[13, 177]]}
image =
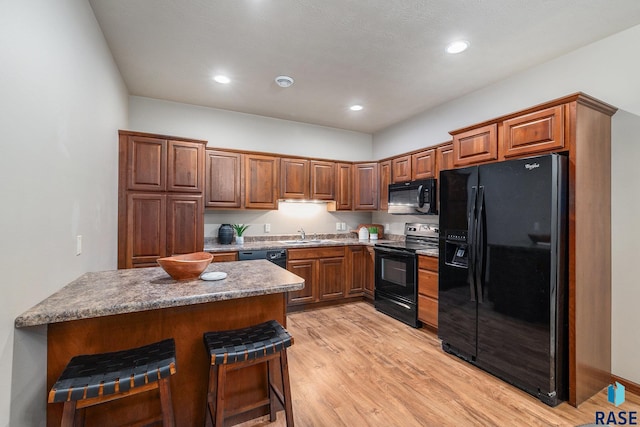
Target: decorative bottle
{"points": [[225, 234]]}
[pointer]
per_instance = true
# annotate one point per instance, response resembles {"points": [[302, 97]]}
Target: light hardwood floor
{"points": [[352, 366]]}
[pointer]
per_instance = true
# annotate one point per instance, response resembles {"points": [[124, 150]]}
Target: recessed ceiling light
{"points": [[458, 46], [284, 81], [222, 79], [356, 107]]}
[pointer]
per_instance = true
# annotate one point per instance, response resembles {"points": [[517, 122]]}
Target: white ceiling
{"points": [[387, 55]]}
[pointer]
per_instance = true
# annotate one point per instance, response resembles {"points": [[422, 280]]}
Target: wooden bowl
{"points": [[187, 266]]}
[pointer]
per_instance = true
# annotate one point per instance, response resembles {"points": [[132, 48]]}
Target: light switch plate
{"points": [[267, 228]]}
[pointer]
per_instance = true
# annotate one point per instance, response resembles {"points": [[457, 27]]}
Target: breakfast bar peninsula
{"points": [[120, 309]]}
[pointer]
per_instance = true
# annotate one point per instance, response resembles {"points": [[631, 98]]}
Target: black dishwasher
{"points": [[276, 256]]}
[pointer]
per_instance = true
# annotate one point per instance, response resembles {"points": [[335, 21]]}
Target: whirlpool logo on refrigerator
{"points": [[615, 396], [532, 166]]}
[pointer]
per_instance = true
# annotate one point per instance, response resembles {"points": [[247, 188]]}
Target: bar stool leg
{"points": [[211, 398], [286, 389], [168, 420], [272, 394], [68, 414], [220, 405]]}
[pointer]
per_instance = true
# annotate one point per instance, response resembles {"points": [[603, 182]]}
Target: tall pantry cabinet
{"points": [[160, 197]]}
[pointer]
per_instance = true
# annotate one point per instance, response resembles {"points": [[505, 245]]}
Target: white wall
{"points": [[62, 101], [228, 129], [607, 70]]}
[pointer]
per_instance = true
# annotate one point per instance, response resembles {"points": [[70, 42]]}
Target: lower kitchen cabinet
{"points": [[370, 273], [356, 269], [428, 290], [323, 270], [224, 256]]}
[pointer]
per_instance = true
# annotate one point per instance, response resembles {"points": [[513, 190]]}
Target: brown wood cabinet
{"points": [[537, 132], [423, 164], [370, 273], [224, 256], [356, 269], [428, 290], [323, 270], [261, 181], [294, 178], [365, 193], [223, 179], [160, 197], [323, 180], [475, 146], [444, 158], [344, 186], [385, 179], [401, 169]]}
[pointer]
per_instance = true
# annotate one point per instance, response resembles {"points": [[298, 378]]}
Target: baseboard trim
{"points": [[629, 386]]}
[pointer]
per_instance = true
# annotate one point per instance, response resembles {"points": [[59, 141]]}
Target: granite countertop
{"points": [[108, 293], [428, 252]]}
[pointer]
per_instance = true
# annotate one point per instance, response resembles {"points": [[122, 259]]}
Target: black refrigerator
{"points": [[502, 275]]}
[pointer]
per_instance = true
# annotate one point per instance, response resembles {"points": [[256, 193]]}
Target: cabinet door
{"points": [[146, 229], [306, 269], [294, 178], [261, 181], [344, 186], [370, 273], [475, 145], [331, 275], [542, 131], [323, 182], [365, 197], [428, 290], [185, 224], [146, 163], [356, 269], [224, 176], [401, 169], [423, 165], [444, 158], [385, 180], [185, 167]]}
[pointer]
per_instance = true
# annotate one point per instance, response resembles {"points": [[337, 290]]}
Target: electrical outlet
{"points": [[338, 226], [78, 245], [344, 226], [267, 228]]}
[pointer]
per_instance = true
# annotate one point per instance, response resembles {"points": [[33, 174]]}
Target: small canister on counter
{"points": [[225, 234]]}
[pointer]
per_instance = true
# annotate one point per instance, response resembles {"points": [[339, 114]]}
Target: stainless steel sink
{"points": [[301, 242]]}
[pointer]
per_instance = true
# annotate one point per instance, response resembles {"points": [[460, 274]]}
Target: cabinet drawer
{"points": [[428, 310], [428, 262], [314, 253], [537, 132], [224, 256], [428, 283]]}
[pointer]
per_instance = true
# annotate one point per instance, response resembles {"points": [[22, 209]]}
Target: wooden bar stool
{"points": [[92, 379], [239, 348]]}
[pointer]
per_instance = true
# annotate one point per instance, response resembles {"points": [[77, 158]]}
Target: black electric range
{"points": [[396, 272]]}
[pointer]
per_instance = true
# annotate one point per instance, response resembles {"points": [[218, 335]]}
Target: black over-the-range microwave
{"points": [[413, 198]]}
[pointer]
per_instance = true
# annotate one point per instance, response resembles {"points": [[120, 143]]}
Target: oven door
{"points": [[396, 274]]}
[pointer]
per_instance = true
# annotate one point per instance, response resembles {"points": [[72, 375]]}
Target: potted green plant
{"points": [[239, 229], [373, 233]]}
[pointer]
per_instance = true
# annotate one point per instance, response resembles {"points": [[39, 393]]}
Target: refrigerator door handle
{"points": [[479, 243], [471, 223]]}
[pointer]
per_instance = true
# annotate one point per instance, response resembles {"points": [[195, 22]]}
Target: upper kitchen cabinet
{"points": [[444, 158], [540, 131], [344, 186], [384, 169], [261, 181], [161, 164], [401, 169], [223, 187], [365, 194], [294, 179], [476, 145], [423, 164], [323, 180]]}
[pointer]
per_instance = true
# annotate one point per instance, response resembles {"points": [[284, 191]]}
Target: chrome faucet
{"points": [[302, 235]]}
